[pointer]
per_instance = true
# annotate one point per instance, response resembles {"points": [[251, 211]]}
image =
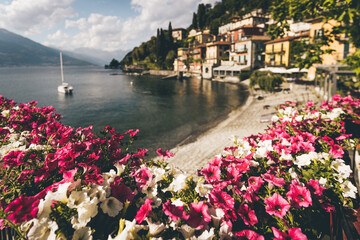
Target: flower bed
{"points": [[64, 183]]}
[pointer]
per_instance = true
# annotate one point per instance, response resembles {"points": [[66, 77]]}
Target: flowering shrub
{"points": [[58, 182]]}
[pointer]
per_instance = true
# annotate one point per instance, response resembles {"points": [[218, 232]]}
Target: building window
{"points": [[206, 70]]}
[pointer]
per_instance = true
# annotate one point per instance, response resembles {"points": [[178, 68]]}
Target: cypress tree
{"points": [[194, 21]]}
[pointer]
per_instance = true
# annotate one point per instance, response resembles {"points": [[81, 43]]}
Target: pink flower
{"points": [[310, 104], [13, 158], [337, 151], [221, 199], [174, 212], [22, 209], [293, 234], [301, 196], [166, 154], [199, 216], [143, 177], [276, 205], [270, 178], [211, 173], [249, 235], [255, 183], [247, 215], [317, 189], [143, 211]]}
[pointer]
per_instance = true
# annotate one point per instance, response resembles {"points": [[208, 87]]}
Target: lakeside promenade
{"points": [[241, 122]]}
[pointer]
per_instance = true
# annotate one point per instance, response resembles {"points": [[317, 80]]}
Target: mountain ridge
{"points": [[16, 50]]}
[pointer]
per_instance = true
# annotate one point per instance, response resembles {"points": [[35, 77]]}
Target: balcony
{"points": [[245, 50]]}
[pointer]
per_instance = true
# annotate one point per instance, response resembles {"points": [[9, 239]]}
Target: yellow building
{"points": [[217, 51], [278, 51], [340, 44]]}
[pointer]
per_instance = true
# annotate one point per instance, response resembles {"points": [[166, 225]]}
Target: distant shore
{"points": [[244, 121]]}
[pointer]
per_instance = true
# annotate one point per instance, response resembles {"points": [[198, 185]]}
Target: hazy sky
{"points": [[99, 24]]}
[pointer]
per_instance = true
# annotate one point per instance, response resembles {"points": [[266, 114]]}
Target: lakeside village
{"points": [[242, 46]]}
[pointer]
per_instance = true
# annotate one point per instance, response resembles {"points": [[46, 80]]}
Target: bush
{"points": [[266, 80], [244, 75]]}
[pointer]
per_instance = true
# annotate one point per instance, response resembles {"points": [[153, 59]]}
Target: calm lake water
{"points": [[166, 111]]}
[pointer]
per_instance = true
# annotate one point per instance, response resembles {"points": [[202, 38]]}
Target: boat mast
{"points": [[61, 67]]}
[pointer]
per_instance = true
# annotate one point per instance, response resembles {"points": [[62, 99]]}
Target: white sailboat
{"points": [[64, 87]]}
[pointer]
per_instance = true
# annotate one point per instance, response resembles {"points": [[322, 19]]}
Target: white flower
{"points": [[6, 113], [158, 173], [43, 229], [119, 168], [343, 169], [292, 172], [225, 232], [334, 113], [302, 160], [82, 234], [286, 157], [97, 191], [243, 149], [111, 206], [155, 228], [216, 215], [205, 235], [322, 181], [45, 204], [348, 189], [126, 233], [285, 142], [203, 189], [187, 231], [87, 211], [274, 118], [178, 183], [178, 202], [77, 198]]}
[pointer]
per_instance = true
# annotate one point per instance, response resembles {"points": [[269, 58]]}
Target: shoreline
{"points": [[241, 122]]}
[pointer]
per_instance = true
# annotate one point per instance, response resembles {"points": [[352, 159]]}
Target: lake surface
{"points": [[166, 111]]}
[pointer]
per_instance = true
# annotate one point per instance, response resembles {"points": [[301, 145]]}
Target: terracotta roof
{"points": [[289, 38], [218, 43]]}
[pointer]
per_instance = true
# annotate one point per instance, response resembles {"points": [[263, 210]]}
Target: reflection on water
{"points": [[165, 111]]}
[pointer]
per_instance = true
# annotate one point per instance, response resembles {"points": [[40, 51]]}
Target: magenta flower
{"points": [[293, 234], [221, 199], [255, 183], [337, 151], [247, 215], [174, 212], [166, 154], [270, 178], [316, 188], [143, 177], [13, 159], [299, 195], [22, 209], [144, 211], [276, 205], [248, 235], [211, 173], [199, 216]]}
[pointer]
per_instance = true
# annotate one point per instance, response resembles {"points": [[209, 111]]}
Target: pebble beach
{"points": [[251, 118]]}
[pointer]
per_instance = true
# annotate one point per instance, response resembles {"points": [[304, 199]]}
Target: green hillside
{"points": [[159, 52], [16, 50]]}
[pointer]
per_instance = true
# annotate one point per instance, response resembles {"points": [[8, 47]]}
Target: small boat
{"points": [[64, 87]]}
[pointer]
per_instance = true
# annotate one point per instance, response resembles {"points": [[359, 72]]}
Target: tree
{"points": [[345, 12], [170, 31], [194, 21], [201, 16]]}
